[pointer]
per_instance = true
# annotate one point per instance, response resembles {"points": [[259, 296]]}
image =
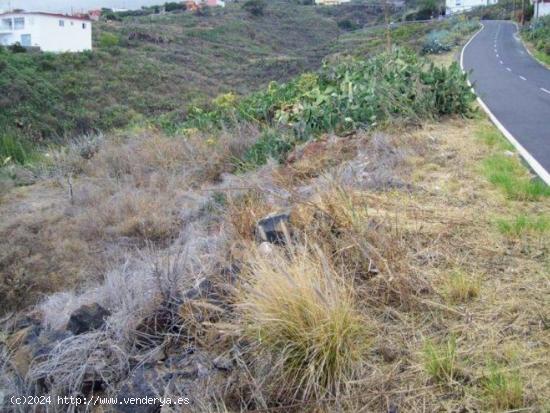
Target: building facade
{"points": [[541, 8], [50, 32], [331, 2], [459, 6]]}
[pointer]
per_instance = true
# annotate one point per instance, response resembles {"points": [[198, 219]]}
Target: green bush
{"points": [[539, 34], [255, 7], [107, 40], [14, 149], [352, 94], [270, 145]]}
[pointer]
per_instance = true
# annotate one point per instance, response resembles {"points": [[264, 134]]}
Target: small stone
{"points": [[265, 249], [509, 153], [223, 363], [202, 371], [87, 318]]}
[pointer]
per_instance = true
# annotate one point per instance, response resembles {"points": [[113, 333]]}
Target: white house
{"points": [[458, 6], [50, 32], [541, 8], [331, 2]]}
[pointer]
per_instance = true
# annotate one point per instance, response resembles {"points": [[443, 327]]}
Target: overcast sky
{"points": [[75, 5]]}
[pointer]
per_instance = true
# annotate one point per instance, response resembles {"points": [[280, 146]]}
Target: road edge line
{"points": [[532, 162]]}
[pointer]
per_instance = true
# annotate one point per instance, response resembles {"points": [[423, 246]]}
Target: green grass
{"points": [[493, 138], [15, 150], [503, 390], [508, 174], [440, 361], [524, 224]]}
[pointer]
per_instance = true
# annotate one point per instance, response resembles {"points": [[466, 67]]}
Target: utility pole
{"points": [[388, 28]]}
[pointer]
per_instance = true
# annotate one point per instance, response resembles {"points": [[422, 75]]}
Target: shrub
{"points": [[354, 93], [255, 7], [347, 24], [302, 318], [17, 48], [437, 42], [108, 40], [172, 6], [270, 145], [14, 149]]}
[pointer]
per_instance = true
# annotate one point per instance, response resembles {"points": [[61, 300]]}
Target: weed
{"points": [[14, 149], [508, 174], [460, 288], [493, 138], [503, 389], [524, 224], [440, 361], [270, 145]]}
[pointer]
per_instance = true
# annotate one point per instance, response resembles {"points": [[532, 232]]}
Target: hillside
{"points": [[155, 67], [352, 238]]}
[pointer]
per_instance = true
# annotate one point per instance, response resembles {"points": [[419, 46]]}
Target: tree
{"points": [[255, 7]]}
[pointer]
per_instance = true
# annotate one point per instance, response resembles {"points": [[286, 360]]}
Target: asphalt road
{"points": [[513, 85]]}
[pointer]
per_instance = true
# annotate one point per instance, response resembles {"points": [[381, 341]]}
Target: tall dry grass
{"points": [[302, 319]]}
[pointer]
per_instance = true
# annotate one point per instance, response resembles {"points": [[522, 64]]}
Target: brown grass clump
{"points": [[130, 190], [302, 318]]}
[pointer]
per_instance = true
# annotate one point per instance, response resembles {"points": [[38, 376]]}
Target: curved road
{"points": [[515, 88]]}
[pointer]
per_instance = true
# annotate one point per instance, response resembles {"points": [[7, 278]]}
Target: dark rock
{"points": [[87, 318], [393, 409], [143, 383], [274, 228]]}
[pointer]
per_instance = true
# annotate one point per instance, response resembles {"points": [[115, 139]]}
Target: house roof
{"points": [[40, 13]]}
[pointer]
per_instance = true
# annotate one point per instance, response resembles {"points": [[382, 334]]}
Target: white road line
{"points": [[522, 78], [508, 69], [545, 90], [537, 167], [498, 55], [501, 62]]}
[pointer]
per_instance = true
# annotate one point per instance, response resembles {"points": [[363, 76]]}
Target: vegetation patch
{"points": [[304, 319], [440, 361], [503, 388], [523, 224], [507, 173]]}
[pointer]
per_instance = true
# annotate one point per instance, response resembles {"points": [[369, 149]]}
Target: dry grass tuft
{"points": [[301, 315], [461, 288]]}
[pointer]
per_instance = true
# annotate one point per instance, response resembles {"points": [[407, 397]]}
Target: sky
{"points": [[73, 5]]}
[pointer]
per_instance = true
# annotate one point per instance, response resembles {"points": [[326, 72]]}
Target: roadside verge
{"points": [[531, 161]]}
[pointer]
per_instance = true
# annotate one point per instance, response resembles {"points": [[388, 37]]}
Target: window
{"points": [[61, 23], [458, 3], [83, 25], [26, 40], [6, 24], [19, 23], [72, 23]]}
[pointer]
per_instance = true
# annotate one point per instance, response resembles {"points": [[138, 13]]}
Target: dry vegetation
{"points": [[408, 279]]}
